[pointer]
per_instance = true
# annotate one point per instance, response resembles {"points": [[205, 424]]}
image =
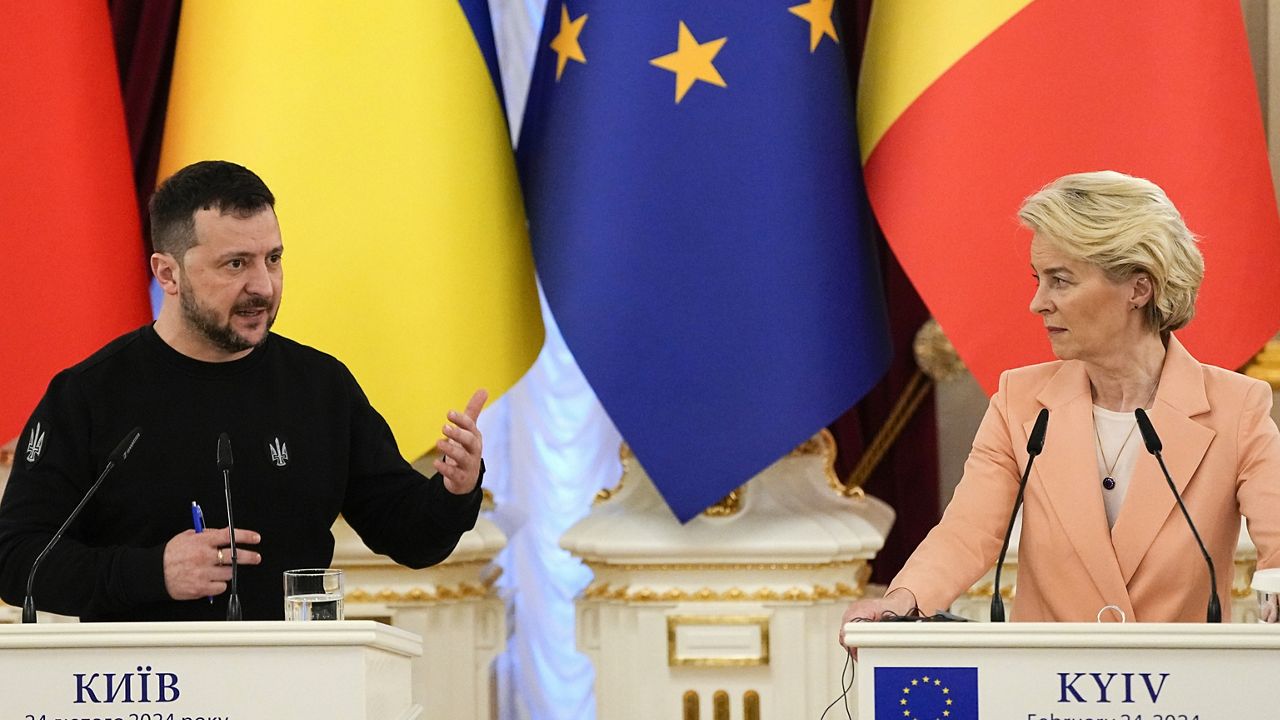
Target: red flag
{"points": [[967, 108], [74, 272]]}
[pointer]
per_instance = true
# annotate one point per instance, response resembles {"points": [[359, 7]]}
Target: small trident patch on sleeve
{"points": [[35, 445]]}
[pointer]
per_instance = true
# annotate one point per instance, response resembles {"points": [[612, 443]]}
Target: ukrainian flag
{"points": [[378, 127]]}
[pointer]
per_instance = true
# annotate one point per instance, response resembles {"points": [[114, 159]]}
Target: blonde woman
{"points": [[1116, 273]]}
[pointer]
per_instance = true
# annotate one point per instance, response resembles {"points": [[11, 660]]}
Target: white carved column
{"points": [[735, 614], [453, 606]]}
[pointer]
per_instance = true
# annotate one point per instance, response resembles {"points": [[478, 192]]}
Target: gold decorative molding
{"points": [[759, 623], [385, 564], [1266, 365], [935, 354], [597, 567], [603, 591], [420, 596], [487, 503], [720, 705], [1244, 575], [690, 704], [822, 443], [729, 505], [1008, 592], [751, 705], [604, 494]]}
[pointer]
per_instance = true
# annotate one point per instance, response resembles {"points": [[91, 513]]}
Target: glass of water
{"points": [[1266, 583], [313, 594]]}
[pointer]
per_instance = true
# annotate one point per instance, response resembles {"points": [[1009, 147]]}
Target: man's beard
{"points": [[222, 335]]}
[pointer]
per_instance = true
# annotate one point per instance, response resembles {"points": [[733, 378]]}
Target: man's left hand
{"points": [[461, 447]]}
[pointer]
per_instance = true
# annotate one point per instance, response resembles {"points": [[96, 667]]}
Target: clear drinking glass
{"points": [[313, 594], [1266, 583]]}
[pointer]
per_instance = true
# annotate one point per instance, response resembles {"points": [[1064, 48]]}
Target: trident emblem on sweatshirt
{"points": [[279, 453], [35, 445]]}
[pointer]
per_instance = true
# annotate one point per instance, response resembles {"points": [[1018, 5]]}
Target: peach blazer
{"points": [[1220, 445]]}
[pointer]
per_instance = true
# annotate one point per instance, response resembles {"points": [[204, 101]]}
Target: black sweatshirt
{"points": [[307, 446]]}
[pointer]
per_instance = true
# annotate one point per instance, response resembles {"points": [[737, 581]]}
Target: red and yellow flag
{"points": [[967, 107], [73, 273]]}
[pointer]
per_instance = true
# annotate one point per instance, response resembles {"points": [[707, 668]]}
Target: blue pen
{"points": [[197, 519]]}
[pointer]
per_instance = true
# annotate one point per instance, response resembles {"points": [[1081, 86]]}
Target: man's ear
{"points": [[167, 272]]}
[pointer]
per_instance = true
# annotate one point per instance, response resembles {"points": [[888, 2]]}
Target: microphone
{"points": [[117, 456], [1154, 446], [224, 464], [1035, 444]]}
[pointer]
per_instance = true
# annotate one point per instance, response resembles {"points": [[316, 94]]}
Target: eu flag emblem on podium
{"points": [[912, 693], [699, 226]]}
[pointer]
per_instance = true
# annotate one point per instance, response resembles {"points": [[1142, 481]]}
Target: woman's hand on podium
{"points": [[898, 601], [198, 565]]}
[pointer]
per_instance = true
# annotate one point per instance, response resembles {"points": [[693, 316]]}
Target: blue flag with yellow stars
{"points": [[906, 693], [699, 225]]}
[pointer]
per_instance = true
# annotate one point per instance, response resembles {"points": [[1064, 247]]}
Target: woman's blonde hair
{"points": [[1124, 225]]}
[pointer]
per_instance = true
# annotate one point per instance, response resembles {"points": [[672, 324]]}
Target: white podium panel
{"points": [[356, 670], [1066, 671]]}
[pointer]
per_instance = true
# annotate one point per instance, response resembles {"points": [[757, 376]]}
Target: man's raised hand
{"points": [[461, 447]]}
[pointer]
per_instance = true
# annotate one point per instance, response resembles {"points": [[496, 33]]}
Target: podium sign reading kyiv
{"points": [[951, 693], [926, 693], [353, 670]]}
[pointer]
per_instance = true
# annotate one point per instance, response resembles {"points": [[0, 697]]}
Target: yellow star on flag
{"points": [[818, 13], [692, 62], [565, 43]]}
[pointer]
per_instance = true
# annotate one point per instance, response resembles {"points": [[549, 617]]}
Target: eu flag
{"points": [[698, 222], [917, 692]]}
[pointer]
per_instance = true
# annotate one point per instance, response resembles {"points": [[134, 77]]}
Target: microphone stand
{"points": [[224, 464], [1152, 442], [1035, 444], [117, 456]]}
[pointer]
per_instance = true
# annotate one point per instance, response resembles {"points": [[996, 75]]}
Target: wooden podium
{"points": [[354, 670], [1065, 671]]}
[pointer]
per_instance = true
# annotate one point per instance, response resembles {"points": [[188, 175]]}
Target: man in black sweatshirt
{"points": [[306, 442]]}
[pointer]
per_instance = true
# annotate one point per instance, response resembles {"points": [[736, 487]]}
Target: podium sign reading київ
{"points": [[1065, 671], [355, 670]]}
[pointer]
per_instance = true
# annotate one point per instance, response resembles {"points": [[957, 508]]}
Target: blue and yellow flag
{"points": [[379, 129], [699, 226]]}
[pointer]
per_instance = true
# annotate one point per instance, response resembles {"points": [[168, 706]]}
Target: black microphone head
{"points": [[224, 452], [1035, 443], [121, 453], [1149, 436]]}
